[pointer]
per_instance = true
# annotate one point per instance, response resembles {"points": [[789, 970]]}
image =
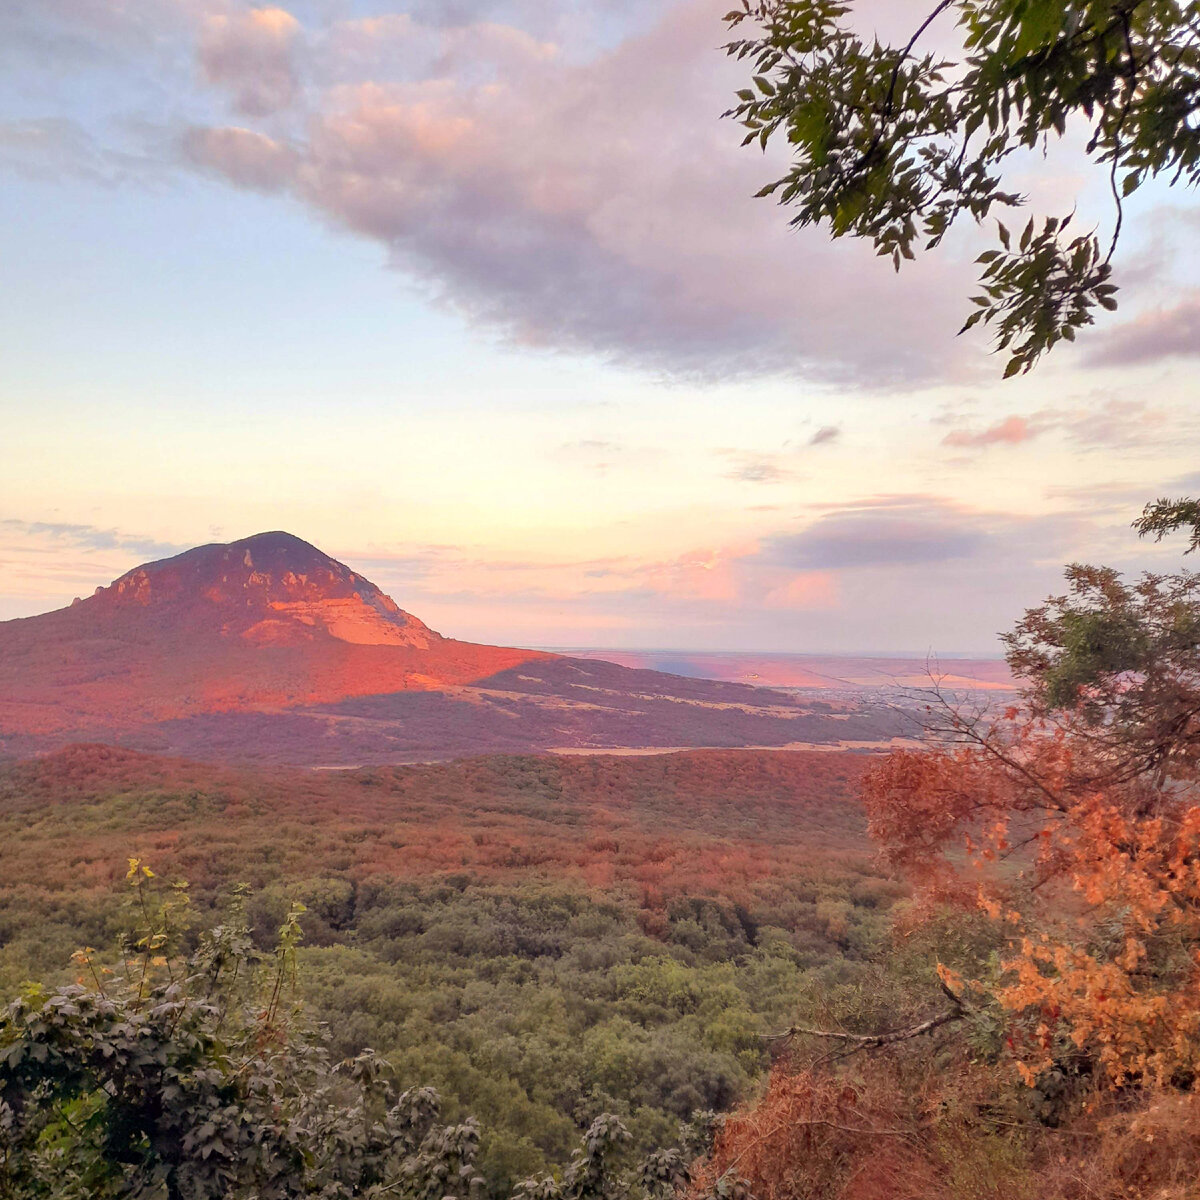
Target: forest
{"points": [[543, 940]]}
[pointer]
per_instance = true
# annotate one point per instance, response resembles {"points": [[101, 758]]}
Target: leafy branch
{"points": [[894, 146]]}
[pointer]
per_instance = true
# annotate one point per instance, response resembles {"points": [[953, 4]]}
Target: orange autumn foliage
{"points": [[1096, 878]]}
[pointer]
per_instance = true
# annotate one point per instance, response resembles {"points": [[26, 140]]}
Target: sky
{"points": [[475, 296]]}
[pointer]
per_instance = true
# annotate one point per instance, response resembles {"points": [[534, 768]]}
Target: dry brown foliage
{"points": [[1145, 1146], [950, 1136], [815, 1135]]}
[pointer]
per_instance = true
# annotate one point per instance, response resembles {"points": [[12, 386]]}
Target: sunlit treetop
{"points": [[895, 144]]}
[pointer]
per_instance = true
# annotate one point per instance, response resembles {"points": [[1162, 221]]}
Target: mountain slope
{"points": [[267, 649], [268, 621]]}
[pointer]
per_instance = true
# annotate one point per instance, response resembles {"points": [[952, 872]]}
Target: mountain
{"points": [[266, 648], [272, 589], [268, 621]]}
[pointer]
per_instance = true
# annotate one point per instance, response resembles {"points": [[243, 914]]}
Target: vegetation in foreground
{"points": [[186, 1077], [1066, 1063]]}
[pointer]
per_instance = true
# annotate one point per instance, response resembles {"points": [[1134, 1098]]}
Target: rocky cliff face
{"points": [[273, 589]]}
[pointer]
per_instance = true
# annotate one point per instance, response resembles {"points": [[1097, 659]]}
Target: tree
{"points": [[1123, 657], [188, 1078], [1163, 516], [1074, 820], [894, 144], [1124, 660]]}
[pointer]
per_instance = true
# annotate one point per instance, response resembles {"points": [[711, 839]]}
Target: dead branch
{"points": [[872, 1041]]}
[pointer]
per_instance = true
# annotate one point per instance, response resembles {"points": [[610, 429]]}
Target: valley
{"points": [[549, 885]]}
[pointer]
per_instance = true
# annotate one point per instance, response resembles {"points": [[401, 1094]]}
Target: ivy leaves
{"points": [[895, 146]]}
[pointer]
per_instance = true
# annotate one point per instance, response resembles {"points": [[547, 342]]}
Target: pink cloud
{"points": [[705, 575], [250, 54], [1011, 431], [1107, 423], [396, 46], [249, 159], [600, 205], [809, 591]]}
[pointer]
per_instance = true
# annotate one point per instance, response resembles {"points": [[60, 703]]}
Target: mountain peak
{"points": [[253, 626], [268, 589], [274, 552], [277, 541]]}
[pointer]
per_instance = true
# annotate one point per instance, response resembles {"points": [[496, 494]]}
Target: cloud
{"points": [[92, 537], [392, 47], [557, 174], [603, 455], [805, 592], [754, 466], [1123, 501], [1122, 425], [589, 447], [887, 580], [1185, 483], [592, 203], [1164, 333], [56, 148], [757, 468], [1108, 424], [902, 532], [48, 148], [44, 564], [899, 572], [244, 157], [1011, 431], [65, 35], [250, 55]]}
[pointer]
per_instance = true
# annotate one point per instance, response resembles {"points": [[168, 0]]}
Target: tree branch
{"points": [[872, 1041]]}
